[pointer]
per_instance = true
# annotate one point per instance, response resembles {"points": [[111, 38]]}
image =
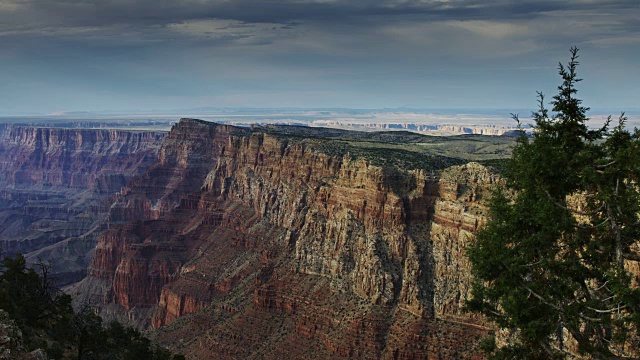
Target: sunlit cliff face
{"points": [[312, 245]]}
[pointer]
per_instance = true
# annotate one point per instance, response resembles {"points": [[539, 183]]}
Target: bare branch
{"points": [[608, 311], [594, 226], [604, 166]]}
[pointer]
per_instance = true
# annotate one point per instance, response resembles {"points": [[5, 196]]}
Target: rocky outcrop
{"points": [[274, 247], [55, 186], [12, 342], [185, 158], [458, 213]]}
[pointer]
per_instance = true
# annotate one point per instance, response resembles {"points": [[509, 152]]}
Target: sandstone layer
{"points": [[243, 244]]}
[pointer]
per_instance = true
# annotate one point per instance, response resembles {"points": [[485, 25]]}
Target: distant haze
{"points": [[162, 55], [440, 122]]}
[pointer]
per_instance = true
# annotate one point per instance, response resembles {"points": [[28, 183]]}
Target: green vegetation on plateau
{"points": [[400, 149]]}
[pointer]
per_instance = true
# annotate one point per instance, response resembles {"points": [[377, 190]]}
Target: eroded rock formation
{"points": [[55, 186], [273, 247]]}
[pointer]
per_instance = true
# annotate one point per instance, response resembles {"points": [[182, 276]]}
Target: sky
{"points": [[159, 55]]}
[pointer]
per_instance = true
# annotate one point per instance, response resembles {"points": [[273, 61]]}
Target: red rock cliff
{"points": [[187, 155], [275, 248]]}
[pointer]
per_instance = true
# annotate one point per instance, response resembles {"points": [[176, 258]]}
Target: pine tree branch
{"points": [[595, 226], [617, 231], [569, 209], [608, 311], [554, 306], [604, 166], [601, 286], [633, 256]]}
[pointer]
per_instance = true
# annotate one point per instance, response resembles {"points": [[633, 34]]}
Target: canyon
{"points": [[55, 186], [258, 243]]}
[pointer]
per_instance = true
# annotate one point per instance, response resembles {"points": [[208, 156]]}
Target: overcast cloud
{"points": [[161, 54]]}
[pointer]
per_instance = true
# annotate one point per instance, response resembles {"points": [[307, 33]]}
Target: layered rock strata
{"points": [[72, 158], [272, 247], [55, 186]]}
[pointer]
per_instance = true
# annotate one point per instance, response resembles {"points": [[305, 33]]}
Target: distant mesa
{"points": [[432, 129]]}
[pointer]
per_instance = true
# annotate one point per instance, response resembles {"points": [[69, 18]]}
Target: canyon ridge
{"points": [[261, 242]]}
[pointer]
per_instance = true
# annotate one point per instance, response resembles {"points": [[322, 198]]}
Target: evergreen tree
{"points": [[553, 261], [47, 320], [30, 297]]}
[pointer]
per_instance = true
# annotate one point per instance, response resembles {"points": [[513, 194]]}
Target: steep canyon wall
{"points": [[274, 248], [55, 186]]}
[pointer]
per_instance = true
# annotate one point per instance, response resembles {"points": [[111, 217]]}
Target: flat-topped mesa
{"points": [[477, 129], [238, 221]]}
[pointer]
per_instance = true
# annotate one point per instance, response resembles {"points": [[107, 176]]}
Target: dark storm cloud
{"points": [[25, 24], [21, 14], [335, 50]]}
